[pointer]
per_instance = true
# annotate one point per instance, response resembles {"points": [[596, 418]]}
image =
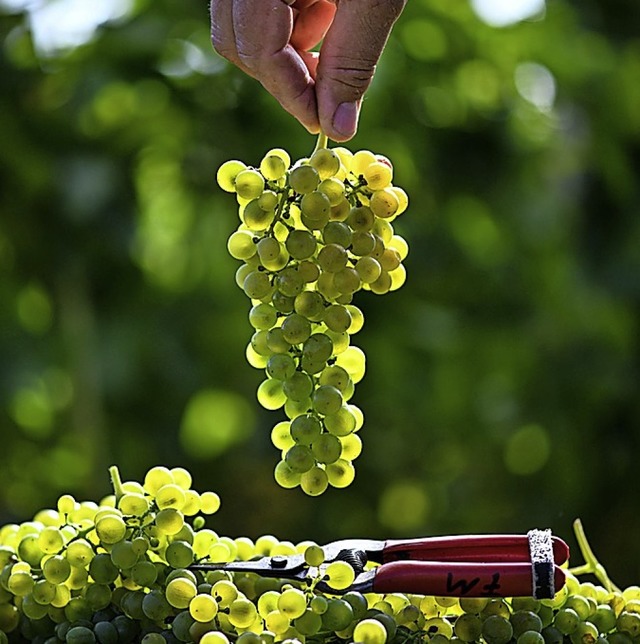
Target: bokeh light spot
{"points": [[527, 450], [213, 421], [404, 506]]}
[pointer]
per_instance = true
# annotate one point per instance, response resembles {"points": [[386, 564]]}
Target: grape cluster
{"points": [[120, 571], [311, 235]]}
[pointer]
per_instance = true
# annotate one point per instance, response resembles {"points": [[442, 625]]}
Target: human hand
{"points": [[271, 41]]}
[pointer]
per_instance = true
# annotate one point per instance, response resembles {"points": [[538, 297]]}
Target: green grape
{"points": [[271, 394], [123, 555], [209, 502], [203, 608], [318, 347], [314, 481], [301, 244], [629, 623], [308, 624], [268, 249], [275, 341], [339, 575], [282, 303], [382, 285], [273, 167], [326, 400], [299, 386], [342, 422], [179, 554], [530, 637], [384, 203], [604, 618], [224, 592], [337, 318], [338, 614], [43, 592], [57, 569], [296, 329], [497, 630], [378, 175], [256, 285], [332, 258], [144, 573], [9, 618], [255, 217], [180, 591], [281, 366], [30, 551], [326, 448], [586, 633], [170, 521], [335, 376], [20, 583], [351, 447], [309, 304], [285, 476], [262, 316], [566, 621], [370, 631], [314, 555], [98, 596], [133, 504], [249, 184], [299, 458], [305, 429], [340, 474], [525, 620], [334, 190], [552, 635], [326, 162], [289, 282], [103, 570], [292, 603], [368, 269], [361, 219], [352, 360], [50, 541], [339, 233], [277, 622], [309, 271], [304, 179], [80, 635], [268, 200], [281, 435], [348, 281], [315, 206], [227, 173]]}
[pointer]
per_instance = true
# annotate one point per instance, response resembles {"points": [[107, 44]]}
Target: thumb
{"points": [[348, 58]]}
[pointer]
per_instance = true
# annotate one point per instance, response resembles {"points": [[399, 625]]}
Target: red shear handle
{"points": [[458, 579], [469, 548]]}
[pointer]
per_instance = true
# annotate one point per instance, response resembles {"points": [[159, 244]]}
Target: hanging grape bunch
{"points": [[311, 235]]}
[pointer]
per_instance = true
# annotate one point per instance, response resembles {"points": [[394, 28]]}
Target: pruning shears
{"points": [[455, 566]]}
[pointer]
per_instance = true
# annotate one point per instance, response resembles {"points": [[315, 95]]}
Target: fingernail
{"points": [[345, 119]]}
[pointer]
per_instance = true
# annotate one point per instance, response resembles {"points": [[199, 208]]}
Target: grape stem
{"points": [[116, 482], [591, 565], [322, 142]]}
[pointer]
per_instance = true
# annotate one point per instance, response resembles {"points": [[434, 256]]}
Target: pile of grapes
{"points": [[311, 235], [119, 572]]}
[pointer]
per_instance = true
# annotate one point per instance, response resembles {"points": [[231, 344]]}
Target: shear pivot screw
{"points": [[278, 561]]}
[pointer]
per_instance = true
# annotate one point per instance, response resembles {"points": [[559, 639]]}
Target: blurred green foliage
{"points": [[502, 386]]}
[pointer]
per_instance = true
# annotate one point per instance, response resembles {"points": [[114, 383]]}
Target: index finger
{"points": [[262, 31]]}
